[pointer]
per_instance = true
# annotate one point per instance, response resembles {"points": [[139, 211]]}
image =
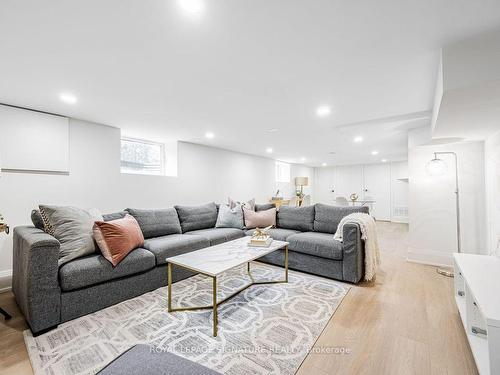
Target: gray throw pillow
{"points": [[230, 217], [156, 223], [37, 219], [296, 218], [72, 227], [197, 217]]}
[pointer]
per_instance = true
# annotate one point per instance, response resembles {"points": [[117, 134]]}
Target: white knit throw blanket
{"points": [[369, 235]]}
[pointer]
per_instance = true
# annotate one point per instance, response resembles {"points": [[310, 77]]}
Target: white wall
{"points": [[492, 171], [432, 231], [380, 180], [204, 174]]}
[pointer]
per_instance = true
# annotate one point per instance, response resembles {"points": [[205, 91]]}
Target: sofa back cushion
{"points": [[264, 206], [156, 223], [116, 238], [327, 218], [197, 217], [114, 215], [259, 219], [296, 218]]}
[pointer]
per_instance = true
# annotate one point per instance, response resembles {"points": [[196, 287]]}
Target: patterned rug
{"points": [[266, 329]]}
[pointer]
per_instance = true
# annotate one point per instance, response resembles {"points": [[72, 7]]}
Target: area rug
{"points": [[266, 329]]}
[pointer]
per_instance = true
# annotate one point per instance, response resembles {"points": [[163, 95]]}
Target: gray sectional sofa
{"points": [[49, 295]]}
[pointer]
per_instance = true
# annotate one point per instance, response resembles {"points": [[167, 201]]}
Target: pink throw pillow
{"points": [[259, 219], [117, 238]]}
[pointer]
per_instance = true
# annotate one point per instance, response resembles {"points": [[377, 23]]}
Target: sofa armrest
{"points": [[353, 253], [35, 280]]}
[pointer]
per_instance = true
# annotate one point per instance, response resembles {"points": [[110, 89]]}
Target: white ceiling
{"points": [[239, 68]]}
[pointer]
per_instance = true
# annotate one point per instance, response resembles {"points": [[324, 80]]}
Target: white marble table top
{"points": [[217, 259]]}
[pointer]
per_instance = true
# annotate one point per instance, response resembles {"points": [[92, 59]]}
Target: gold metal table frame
{"points": [[216, 303]]}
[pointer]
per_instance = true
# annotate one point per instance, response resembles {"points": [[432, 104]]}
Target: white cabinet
{"points": [[377, 187], [383, 183], [477, 294], [33, 141], [348, 179], [324, 183]]}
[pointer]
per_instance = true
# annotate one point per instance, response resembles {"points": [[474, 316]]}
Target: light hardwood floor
{"points": [[405, 322]]}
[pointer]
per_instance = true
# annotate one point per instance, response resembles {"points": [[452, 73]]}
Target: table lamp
{"points": [[301, 181]]}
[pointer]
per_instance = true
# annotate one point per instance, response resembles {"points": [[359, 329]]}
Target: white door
{"points": [[323, 185], [377, 186], [348, 180]]}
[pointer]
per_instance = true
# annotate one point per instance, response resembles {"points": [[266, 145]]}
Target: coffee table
{"points": [[215, 260]]}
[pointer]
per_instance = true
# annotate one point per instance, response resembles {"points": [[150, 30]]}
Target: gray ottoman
{"points": [[141, 360]]}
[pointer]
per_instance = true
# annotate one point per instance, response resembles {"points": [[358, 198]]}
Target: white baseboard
{"points": [[430, 257], [5, 280], [400, 219]]}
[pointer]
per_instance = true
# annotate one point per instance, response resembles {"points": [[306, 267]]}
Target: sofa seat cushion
{"points": [[278, 234], [95, 269], [218, 235], [318, 244], [174, 244]]}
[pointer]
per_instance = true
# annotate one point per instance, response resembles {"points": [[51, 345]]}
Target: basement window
{"points": [[282, 172], [139, 156]]}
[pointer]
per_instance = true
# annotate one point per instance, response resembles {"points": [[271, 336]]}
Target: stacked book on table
{"points": [[260, 238], [260, 242]]}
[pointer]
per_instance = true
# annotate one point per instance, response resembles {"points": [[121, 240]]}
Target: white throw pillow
{"points": [[249, 205]]}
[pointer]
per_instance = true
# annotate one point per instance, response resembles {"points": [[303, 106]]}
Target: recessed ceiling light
{"points": [[68, 98], [273, 130], [358, 139], [302, 159], [384, 160], [193, 7], [375, 152], [323, 111], [269, 150], [323, 164], [209, 135]]}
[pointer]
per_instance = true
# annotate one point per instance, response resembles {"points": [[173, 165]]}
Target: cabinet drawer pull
{"points": [[477, 330]]}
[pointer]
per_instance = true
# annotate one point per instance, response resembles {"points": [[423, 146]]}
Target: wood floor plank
{"points": [[405, 322]]}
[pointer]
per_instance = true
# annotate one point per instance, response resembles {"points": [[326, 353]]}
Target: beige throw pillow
{"points": [[259, 219], [72, 227]]}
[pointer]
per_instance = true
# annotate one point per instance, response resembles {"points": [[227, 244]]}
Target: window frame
{"points": [[278, 174], [163, 155]]}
